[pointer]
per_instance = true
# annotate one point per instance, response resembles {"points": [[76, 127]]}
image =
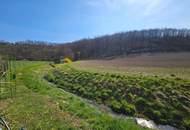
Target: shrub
{"points": [[141, 104], [116, 106], [172, 75], [81, 90], [152, 114], [187, 123], [156, 115], [127, 108], [49, 77]]}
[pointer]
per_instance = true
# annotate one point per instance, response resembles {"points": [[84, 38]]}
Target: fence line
{"points": [[7, 78]]}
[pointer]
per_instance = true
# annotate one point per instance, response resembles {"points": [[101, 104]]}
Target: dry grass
{"points": [[164, 64]]}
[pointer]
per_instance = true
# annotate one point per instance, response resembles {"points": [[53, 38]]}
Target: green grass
{"points": [[164, 100], [39, 105]]}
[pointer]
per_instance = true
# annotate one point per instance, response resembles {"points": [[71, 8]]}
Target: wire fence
{"points": [[7, 78], [3, 124], [7, 85]]}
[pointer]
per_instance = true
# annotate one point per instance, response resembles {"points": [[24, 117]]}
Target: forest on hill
{"points": [[124, 43]]}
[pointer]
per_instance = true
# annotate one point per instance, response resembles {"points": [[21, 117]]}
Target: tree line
{"points": [[123, 43]]}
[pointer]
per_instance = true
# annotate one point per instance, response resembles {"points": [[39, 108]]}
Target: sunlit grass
{"points": [[40, 105]]}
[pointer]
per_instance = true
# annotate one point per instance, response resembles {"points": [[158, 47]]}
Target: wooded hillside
{"points": [[124, 43]]}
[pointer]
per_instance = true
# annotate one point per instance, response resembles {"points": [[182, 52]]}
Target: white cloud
{"points": [[143, 7]]}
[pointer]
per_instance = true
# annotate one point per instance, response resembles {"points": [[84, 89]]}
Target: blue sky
{"points": [[70, 20]]}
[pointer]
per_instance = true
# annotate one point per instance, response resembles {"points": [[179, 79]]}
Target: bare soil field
{"points": [[164, 64]]}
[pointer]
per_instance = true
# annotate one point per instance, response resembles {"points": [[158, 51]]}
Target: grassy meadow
{"points": [[39, 105], [161, 64], [52, 96]]}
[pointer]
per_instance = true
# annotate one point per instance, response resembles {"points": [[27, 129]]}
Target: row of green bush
{"points": [[166, 101]]}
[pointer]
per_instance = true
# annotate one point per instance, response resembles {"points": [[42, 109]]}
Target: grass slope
{"points": [[38, 105], [161, 64], [164, 100]]}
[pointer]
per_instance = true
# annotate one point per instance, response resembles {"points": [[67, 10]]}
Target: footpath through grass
{"points": [[39, 105], [164, 100]]}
